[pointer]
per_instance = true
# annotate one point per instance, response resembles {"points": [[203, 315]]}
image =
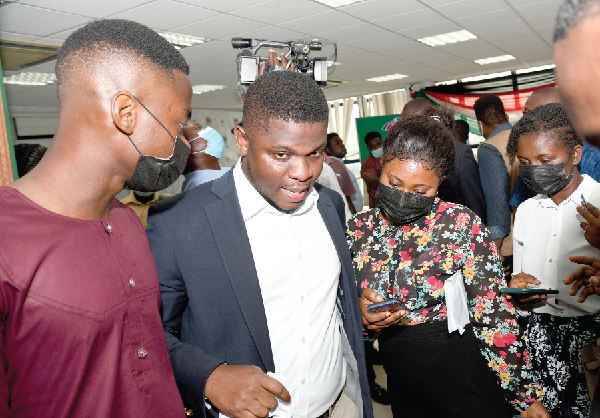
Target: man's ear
{"points": [[241, 139], [577, 154], [123, 111]]}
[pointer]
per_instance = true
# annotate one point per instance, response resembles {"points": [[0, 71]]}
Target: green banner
{"points": [[8, 125], [381, 124]]}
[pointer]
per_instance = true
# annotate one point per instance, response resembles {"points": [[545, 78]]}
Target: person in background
{"points": [[463, 184], [28, 156], [336, 150], [590, 159], [258, 294], [80, 329], [576, 37], [140, 202], [207, 148], [546, 233], [461, 131], [370, 171], [329, 179], [405, 249], [498, 176]]}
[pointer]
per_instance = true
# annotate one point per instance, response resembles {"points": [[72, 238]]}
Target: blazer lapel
{"points": [[229, 231]]}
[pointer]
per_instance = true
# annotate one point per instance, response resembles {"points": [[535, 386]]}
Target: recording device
{"points": [[390, 305], [298, 52]]}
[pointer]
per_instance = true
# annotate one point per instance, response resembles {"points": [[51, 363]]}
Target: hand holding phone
{"points": [[392, 310], [390, 305]]}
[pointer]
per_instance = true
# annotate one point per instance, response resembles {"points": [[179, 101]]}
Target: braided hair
{"points": [[551, 118]]}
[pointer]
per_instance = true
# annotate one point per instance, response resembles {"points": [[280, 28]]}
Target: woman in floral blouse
{"points": [[406, 248]]}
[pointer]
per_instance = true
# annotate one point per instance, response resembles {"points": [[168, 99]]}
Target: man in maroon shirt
{"points": [[370, 170], [81, 334]]}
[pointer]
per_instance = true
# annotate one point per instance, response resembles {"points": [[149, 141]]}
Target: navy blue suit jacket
{"points": [[212, 308], [463, 185]]}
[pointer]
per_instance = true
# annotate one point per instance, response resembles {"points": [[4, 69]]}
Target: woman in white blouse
{"points": [[546, 233]]}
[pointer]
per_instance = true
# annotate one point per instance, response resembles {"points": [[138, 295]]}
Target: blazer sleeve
{"points": [[191, 365], [471, 185]]}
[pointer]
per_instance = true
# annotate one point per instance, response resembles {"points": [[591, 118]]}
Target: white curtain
{"points": [[348, 107]]}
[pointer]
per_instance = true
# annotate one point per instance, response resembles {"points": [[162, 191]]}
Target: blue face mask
{"points": [[215, 143]]}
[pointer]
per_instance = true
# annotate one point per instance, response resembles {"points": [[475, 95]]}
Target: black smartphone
{"points": [[390, 305], [528, 291]]}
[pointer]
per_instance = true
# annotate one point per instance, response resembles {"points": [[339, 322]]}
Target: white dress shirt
{"points": [[298, 272], [544, 237]]}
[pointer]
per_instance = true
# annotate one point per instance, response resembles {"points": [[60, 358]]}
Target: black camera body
{"points": [[248, 62]]}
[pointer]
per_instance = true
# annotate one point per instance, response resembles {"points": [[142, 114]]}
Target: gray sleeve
{"points": [[496, 190]]}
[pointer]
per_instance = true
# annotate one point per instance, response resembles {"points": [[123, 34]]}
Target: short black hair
{"points": [[571, 13], [461, 127], [284, 95], [28, 156], [329, 137], [547, 118], [117, 36], [371, 136], [489, 109], [421, 138]]}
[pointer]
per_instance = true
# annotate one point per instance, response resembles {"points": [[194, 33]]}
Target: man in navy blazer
{"points": [[225, 324]]}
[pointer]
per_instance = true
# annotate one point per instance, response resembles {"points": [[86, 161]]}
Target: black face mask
{"points": [[547, 178], [402, 207], [152, 174]]}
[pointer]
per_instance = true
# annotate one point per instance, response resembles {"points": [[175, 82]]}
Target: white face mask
{"points": [[377, 153]]}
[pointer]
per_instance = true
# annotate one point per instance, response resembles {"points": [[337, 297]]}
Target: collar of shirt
{"points": [[252, 203], [504, 127], [586, 189], [131, 198], [327, 159]]}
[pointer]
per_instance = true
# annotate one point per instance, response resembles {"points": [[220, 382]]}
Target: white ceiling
{"points": [[374, 37]]}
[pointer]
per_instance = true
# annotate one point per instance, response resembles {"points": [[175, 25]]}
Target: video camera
{"points": [[248, 62]]}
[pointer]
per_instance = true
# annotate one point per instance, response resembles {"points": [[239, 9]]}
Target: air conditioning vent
{"points": [[18, 55]]}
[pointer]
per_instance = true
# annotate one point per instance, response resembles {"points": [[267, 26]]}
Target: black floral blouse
{"points": [[420, 257]]}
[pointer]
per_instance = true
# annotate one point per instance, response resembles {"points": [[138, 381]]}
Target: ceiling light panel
{"points": [[387, 78], [448, 38], [203, 88], [31, 79], [493, 60], [179, 40], [337, 3]]}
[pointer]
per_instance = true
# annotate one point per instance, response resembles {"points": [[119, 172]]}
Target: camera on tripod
{"points": [[248, 62]]}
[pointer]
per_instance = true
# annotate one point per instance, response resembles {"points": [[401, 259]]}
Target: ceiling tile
{"points": [[487, 19], [51, 41], [18, 18], [430, 30], [220, 27], [351, 33], [17, 36], [406, 50], [388, 39], [538, 8], [470, 8], [166, 14], [212, 49], [379, 9], [65, 34], [222, 6], [410, 20], [331, 19], [97, 9], [542, 20], [499, 29], [513, 35], [279, 11], [38, 96]]}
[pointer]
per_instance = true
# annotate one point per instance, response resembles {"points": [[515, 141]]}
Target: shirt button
{"points": [[131, 282], [302, 298], [300, 256], [550, 260], [303, 339], [142, 353], [303, 381], [554, 234]]}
